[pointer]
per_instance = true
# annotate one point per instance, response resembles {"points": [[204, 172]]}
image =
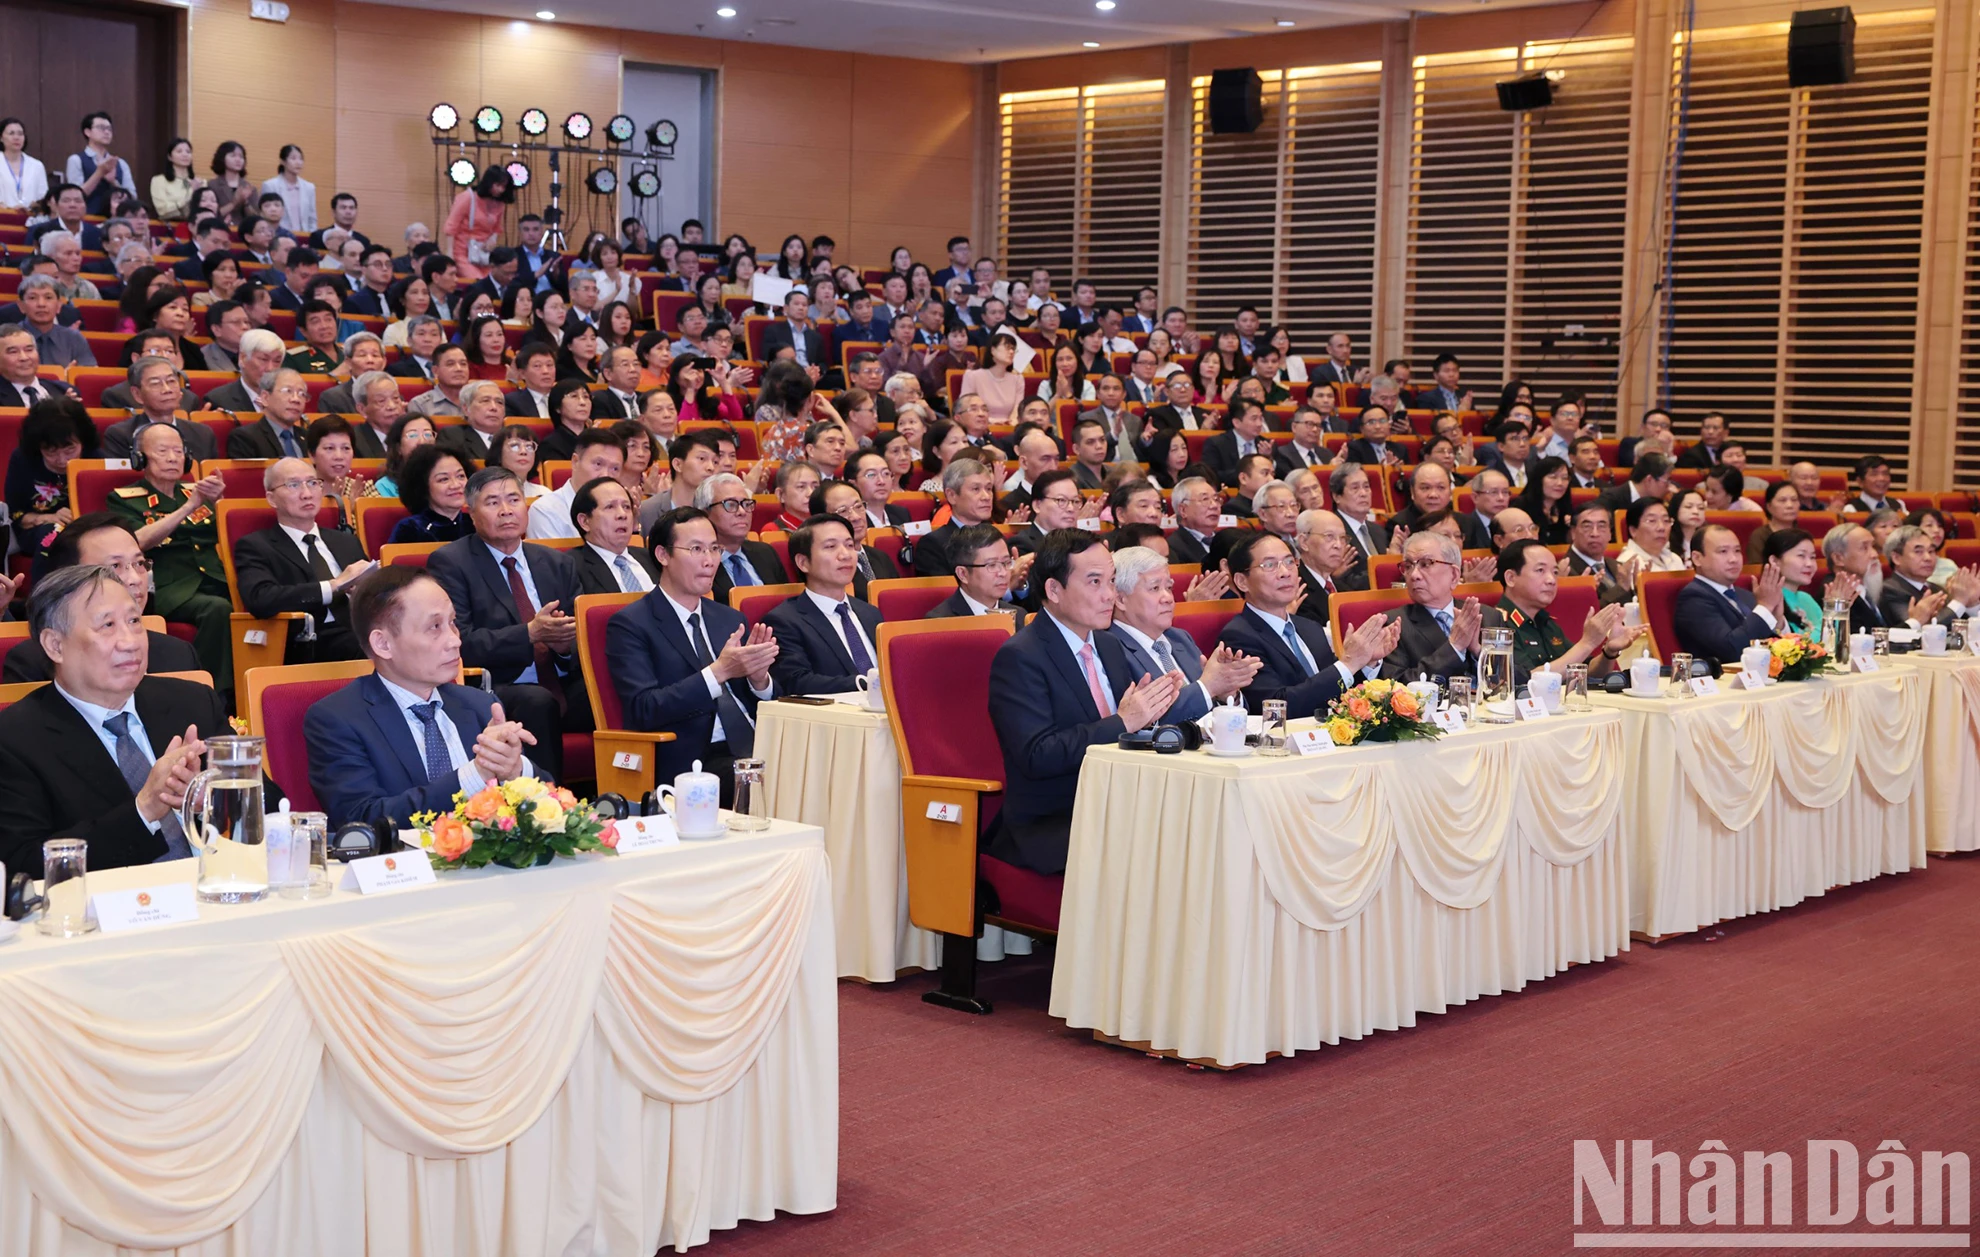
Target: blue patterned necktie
{"points": [[438, 762], [135, 769], [1292, 642]]}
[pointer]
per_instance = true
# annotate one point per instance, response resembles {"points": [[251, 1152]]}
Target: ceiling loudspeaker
{"points": [[1822, 47], [1237, 101], [1534, 91]]}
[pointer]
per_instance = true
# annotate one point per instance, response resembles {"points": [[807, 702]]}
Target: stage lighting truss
{"points": [[621, 129], [577, 128], [645, 183], [534, 122], [462, 172], [444, 117], [488, 120], [518, 173], [603, 181]]}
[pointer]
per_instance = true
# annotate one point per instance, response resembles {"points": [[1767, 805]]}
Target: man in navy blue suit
{"points": [[406, 738], [1060, 685], [1298, 663], [1713, 617], [825, 637], [1144, 620], [686, 665]]}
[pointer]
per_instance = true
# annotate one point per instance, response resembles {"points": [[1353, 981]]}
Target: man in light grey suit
{"points": [[1144, 620]]}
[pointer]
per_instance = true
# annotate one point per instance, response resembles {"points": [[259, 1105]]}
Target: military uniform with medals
{"points": [[189, 579], [1537, 638]]}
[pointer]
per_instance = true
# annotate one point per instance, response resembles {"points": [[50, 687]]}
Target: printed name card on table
{"points": [[1704, 686], [1090, 524], [645, 833], [1744, 680], [1863, 663], [1227, 521], [1312, 741], [916, 528], [395, 870], [1531, 708], [1449, 719], [118, 910]]}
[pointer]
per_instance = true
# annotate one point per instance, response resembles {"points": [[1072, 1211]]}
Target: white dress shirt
{"points": [[300, 538], [550, 515], [632, 577], [94, 716], [829, 607], [715, 733], [469, 776]]}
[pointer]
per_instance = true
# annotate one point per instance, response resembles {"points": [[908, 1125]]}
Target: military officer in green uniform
{"points": [[175, 524], [1532, 578]]}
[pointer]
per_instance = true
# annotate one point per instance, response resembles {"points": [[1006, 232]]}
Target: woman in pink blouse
{"points": [[1000, 387], [475, 221]]}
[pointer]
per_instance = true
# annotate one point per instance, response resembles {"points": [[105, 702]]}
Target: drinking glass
{"points": [[752, 803], [1495, 676], [308, 873], [1272, 733], [66, 910], [1681, 674], [1880, 641], [1574, 688], [1459, 699], [1835, 628]]}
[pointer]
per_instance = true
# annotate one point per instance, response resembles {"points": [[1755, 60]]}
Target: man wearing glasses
{"points": [[98, 540], [983, 576], [1439, 634], [174, 524], [1297, 661], [297, 566], [728, 505], [836, 497], [687, 665], [868, 472], [278, 433]]}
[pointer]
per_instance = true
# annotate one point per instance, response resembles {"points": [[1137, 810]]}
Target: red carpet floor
{"points": [[1855, 1016]]}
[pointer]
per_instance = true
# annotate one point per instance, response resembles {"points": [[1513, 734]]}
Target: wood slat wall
{"points": [[1966, 401]]}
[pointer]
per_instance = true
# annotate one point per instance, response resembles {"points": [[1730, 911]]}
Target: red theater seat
{"points": [[756, 601], [910, 597], [277, 699], [611, 740]]}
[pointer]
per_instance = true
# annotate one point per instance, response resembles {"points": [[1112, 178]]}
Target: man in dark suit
{"points": [[210, 236], [474, 441], [983, 576], [1144, 620], [1305, 450], [739, 561], [1246, 436], [794, 331], [618, 369], [1429, 493], [1354, 502], [1439, 636], [406, 739], [1339, 366], [1062, 684], [374, 277], [1852, 552], [868, 472], [1908, 598], [1177, 414], [278, 433], [824, 639], [1654, 420], [1715, 619], [1328, 562], [159, 394], [608, 562], [424, 336], [1711, 437], [836, 497], [1299, 664], [687, 665], [297, 566], [106, 752], [1649, 477], [98, 540], [1446, 393], [513, 605], [1198, 505], [20, 362], [1373, 447], [1588, 546], [971, 493]]}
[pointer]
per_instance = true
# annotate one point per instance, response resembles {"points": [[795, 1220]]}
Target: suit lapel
{"points": [[1139, 660], [391, 724], [821, 623], [1060, 652], [84, 752], [482, 565], [467, 721], [1283, 657], [1186, 660]]}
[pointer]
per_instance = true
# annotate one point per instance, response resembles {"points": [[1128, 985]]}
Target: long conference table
{"points": [[608, 1055]]}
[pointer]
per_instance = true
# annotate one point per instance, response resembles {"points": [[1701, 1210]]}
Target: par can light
{"points": [[444, 117], [534, 122], [488, 120], [462, 172], [603, 181], [578, 127]]}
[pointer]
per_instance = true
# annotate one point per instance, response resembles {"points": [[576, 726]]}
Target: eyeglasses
{"points": [[1281, 564], [291, 392], [311, 484], [734, 506], [994, 565], [1062, 500], [697, 552], [1424, 565]]}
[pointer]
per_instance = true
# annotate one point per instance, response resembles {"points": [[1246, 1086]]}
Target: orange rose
{"points": [[1360, 708], [1403, 703], [484, 806], [1773, 665], [451, 838]]}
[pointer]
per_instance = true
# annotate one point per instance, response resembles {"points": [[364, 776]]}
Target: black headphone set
{"points": [[1164, 739], [615, 807]]}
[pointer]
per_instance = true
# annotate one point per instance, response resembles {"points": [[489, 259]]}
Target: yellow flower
{"points": [[549, 816], [530, 788], [512, 790], [1342, 731], [1378, 686]]}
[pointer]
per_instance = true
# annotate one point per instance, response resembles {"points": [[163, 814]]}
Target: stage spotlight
{"points": [[620, 130], [462, 172], [602, 181], [662, 134], [645, 183], [488, 120], [518, 173], [534, 122], [444, 117], [578, 127]]}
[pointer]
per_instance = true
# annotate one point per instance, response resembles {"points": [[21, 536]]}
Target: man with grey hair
{"points": [[131, 256], [382, 402], [1197, 504], [1144, 620], [295, 565], [1439, 634], [262, 352], [1383, 391], [151, 341], [105, 753], [1277, 508], [20, 370], [486, 410], [903, 387], [729, 505], [1908, 597], [582, 283], [972, 415], [424, 336], [41, 311], [278, 433], [67, 252], [1855, 574], [363, 351], [157, 390], [971, 492], [512, 603], [1326, 560]]}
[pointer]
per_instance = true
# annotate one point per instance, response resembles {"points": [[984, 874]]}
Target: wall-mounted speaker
{"points": [[1237, 101], [1531, 92], [1822, 47]]}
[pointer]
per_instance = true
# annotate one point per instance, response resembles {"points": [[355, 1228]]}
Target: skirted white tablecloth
{"points": [[604, 1056], [1952, 749], [1226, 909], [1746, 802], [836, 767]]}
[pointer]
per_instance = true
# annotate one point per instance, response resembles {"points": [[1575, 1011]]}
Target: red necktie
{"points": [[546, 669]]}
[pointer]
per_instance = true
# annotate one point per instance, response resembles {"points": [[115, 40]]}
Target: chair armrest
{"points": [[623, 761], [978, 785], [941, 854]]}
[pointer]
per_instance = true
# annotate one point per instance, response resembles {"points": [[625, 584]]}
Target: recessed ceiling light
{"points": [[1285, 21], [545, 15], [1091, 43], [725, 11], [1105, 6]]}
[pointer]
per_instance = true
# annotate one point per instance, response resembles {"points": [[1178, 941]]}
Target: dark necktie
{"points": [[854, 647], [865, 567], [291, 448], [438, 763], [135, 769], [740, 573], [736, 726], [1293, 644], [546, 668], [319, 566]]}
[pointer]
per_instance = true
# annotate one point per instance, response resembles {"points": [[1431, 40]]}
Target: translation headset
{"points": [[1164, 739]]}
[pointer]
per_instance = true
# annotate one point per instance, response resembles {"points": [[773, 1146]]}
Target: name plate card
{"points": [[118, 910], [1312, 742], [1531, 708], [646, 833], [1089, 523], [393, 871], [1863, 663], [1745, 680], [1449, 719], [916, 528], [1227, 521], [1702, 687]]}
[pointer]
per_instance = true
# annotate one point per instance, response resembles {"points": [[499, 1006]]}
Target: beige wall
{"points": [[873, 151]]}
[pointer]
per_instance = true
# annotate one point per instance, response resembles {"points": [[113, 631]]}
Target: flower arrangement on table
{"points": [[1378, 711], [1796, 657], [516, 824]]}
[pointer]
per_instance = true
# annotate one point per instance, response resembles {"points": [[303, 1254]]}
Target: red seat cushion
{"points": [[1023, 896], [1203, 621], [910, 603], [941, 691], [282, 710], [579, 761]]}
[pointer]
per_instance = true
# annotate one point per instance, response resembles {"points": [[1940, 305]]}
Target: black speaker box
{"points": [[1822, 47], [1237, 101], [1531, 92]]}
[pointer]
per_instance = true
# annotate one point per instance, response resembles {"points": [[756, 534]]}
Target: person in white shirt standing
{"points": [[298, 194]]}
